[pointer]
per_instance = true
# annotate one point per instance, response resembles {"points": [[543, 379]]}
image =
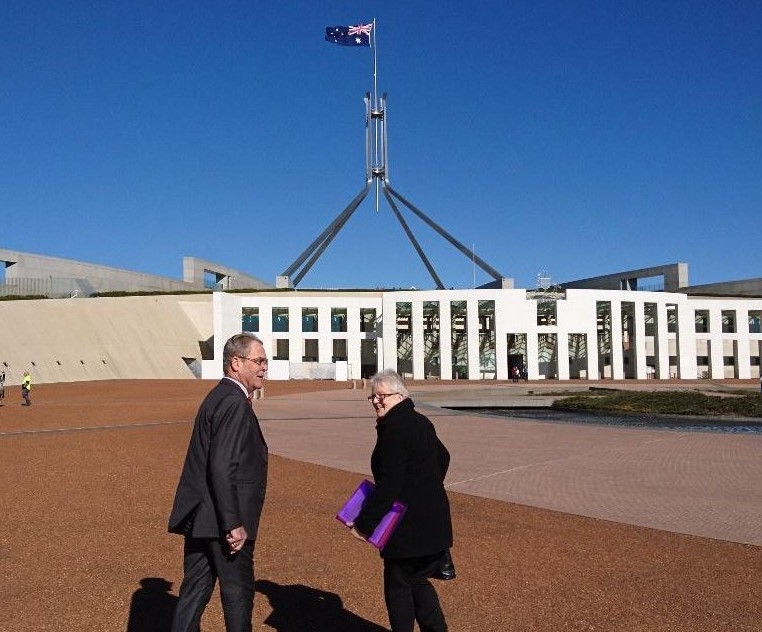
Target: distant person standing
{"points": [[221, 492], [2, 385], [26, 386], [760, 384]]}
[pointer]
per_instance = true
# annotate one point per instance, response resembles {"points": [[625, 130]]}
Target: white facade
{"points": [[484, 334]]}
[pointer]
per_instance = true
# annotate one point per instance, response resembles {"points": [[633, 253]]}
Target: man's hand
{"points": [[236, 538]]}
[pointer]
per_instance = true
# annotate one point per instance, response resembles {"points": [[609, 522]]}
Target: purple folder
{"points": [[389, 522]]}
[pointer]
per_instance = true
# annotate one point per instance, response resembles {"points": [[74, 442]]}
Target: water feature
{"points": [[662, 422]]}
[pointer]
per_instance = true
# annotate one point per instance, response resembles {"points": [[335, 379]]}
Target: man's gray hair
{"points": [[391, 380], [237, 346]]}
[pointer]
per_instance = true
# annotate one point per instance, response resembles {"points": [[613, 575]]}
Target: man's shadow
{"points": [[152, 606], [299, 608]]}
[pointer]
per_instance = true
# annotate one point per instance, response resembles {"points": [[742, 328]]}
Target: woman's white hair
{"points": [[391, 380]]}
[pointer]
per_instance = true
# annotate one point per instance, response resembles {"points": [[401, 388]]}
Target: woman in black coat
{"points": [[409, 464]]}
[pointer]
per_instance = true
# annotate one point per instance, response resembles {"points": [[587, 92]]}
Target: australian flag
{"points": [[349, 35]]}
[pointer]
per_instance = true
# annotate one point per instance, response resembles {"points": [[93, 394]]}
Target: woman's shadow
{"points": [[152, 606], [299, 608]]}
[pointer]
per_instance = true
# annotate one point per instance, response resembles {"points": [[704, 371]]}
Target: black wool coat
{"points": [[409, 464], [223, 482]]}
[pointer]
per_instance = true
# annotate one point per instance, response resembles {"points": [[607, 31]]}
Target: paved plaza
{"points": [[699, 483]]}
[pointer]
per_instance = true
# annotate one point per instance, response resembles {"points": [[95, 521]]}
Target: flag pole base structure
{"points": [[377, 170]]}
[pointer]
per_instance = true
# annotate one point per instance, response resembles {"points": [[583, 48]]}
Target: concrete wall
{"points": [[30, 274], [90, 278], [744, 287], [675, 278], [68, 340], [194, 271]]}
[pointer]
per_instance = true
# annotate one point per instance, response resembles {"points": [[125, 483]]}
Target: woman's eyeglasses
{"points": [[380, 396]]}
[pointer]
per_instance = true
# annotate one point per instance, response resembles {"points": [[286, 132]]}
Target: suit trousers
{"points": [[409, 595], [205, 561]]}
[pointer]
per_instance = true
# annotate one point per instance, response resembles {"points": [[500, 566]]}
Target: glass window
{"points": [[728, 321], [404, 337], [650, 316], [280, 318], [280, 349], [486, 314], [310, 350], [702, 321], [431, 356], [546, 312], [339, 349], [309, 319], [671, 318], [367, 319], [459, 339], [250, 319], [755, 322], [339, 319]]}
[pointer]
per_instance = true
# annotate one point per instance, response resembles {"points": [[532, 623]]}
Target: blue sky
{"points": [[576, 138]]}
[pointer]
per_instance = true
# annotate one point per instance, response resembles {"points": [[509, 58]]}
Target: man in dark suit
{"points": [[221, 491]]}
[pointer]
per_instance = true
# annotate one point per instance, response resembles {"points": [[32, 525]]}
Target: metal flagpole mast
{"points": [[375, 67], [375, 108]]}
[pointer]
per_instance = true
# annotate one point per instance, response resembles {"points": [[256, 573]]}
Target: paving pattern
{"points": [[698, 483]]}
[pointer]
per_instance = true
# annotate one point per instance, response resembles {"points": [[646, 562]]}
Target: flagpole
{"points": [[375, 67], [375, 107]]}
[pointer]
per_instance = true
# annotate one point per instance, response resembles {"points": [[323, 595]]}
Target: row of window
{"points": [[728, 320], [546, 316], [280, 319]]}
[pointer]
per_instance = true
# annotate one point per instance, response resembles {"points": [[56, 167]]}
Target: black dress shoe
{"points": [[447, 568]]}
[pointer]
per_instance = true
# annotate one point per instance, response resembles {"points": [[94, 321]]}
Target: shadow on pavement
{"points": [[299, 608], [152, 606]]}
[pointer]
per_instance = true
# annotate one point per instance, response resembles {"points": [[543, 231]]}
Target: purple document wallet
{"points": [[389, 522]]}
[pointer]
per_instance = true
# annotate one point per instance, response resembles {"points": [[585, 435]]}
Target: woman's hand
{"points": [[356, 533]]}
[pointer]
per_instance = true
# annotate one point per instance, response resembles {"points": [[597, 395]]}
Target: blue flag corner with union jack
{"points": [[349, 35]]}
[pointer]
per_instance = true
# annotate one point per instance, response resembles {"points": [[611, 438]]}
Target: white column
{"points": [[715, 335], [472, 332], [387, 346], [592, 348], [686, 341], [617, 361], [562, 353], [743, 357], [533, 354], [501, 342]]}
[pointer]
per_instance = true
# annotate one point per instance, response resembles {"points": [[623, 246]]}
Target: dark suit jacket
{"points": [[223, 482], [409, 464]]}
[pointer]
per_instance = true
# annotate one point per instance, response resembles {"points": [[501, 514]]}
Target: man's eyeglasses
{"points": [[380, 396], [258, 361]]}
